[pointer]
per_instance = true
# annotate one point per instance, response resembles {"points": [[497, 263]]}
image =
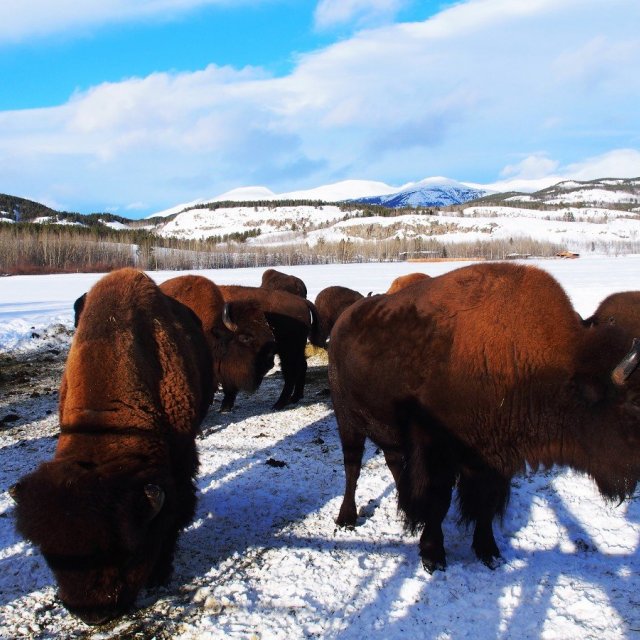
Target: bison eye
{"points": [[245, 338], [155, 496]]}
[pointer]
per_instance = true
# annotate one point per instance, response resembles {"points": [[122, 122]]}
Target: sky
{"points": [[133, 108]]}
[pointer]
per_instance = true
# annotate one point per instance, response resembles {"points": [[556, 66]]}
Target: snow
{"points": [[264, 558], [203, 223], [594, 195]]}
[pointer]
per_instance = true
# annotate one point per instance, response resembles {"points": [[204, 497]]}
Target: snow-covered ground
{"points": [[264, 558]]}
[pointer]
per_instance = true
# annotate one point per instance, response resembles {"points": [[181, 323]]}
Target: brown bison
{"points": [[404, 281], [489, 370], [241, 342], [292, 319], [330, 303], [107, 510], [273, 280]]}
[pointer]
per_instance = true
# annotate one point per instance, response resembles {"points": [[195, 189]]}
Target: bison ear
{"points": [[155, 496], [14, 492]]}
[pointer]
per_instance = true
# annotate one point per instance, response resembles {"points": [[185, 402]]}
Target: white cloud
{"points": [[619, 163], [461, 94], [532, 167], [331, 13], [21, 19]]}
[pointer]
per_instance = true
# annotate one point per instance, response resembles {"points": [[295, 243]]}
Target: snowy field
{"points": [[264, 559]]}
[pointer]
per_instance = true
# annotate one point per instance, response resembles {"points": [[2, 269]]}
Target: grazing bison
{"points": [[330, 303], [273, 280], [107, 510], [292, 319], [241, 343], [404, 281], [489, 370]]}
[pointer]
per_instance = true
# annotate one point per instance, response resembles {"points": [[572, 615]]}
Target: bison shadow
{"points": [[253, 501]]}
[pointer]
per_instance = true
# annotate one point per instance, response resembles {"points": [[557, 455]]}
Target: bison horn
{"points": [[226, 318], [155, 495], [628, 364]]}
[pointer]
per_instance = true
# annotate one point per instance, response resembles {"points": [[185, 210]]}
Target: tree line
{"points": [[33, 248]]}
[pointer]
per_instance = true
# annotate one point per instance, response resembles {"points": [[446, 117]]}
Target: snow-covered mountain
{"points": [[431, 192]]}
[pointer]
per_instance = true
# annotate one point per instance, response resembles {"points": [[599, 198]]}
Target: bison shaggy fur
{"points": [[468, 378], [107, 509]]}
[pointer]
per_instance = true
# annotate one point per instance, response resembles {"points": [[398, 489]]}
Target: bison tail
{"points": [[427, 479], [316, 334]]}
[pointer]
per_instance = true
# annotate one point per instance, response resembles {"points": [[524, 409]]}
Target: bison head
{"points": [[101, 535], [249, 353]]}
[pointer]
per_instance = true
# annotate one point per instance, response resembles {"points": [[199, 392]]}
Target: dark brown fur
{"points": [[330, 303], [107, 510], [242, 356], [277, 281], [490, 369], [292, 319]]}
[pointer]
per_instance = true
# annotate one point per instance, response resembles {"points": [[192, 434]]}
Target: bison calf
{"points": [[107, 510], [469, 377]]}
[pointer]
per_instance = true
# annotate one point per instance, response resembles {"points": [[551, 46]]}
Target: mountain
{"points": [[431, 192]]}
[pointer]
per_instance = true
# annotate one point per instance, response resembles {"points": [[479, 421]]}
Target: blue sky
{"points": [[137, 107]]}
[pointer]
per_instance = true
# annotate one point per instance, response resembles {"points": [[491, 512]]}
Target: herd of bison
{"points": [[461, 380]]}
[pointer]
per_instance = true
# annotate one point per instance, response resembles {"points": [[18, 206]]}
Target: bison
{"points": [[404, 281], [106, 511], [471, 376], [330, 303], [293, 320], [241, 342], [273, 280]]}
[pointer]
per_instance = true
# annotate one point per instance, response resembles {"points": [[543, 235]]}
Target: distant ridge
{"points": [[432, 192]]}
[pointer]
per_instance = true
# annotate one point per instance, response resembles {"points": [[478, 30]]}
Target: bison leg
{"points": [[298, 390], [294, 371], [394, 460], [228, 400], [424, 490], [432, 539], [482, 494], [352, 450]]}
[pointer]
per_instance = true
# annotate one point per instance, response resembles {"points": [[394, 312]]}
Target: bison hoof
{"points": [[493, 562], [430, 566], [347, 521]]}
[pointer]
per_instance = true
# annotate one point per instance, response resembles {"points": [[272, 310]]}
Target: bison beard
{"points": [[468, 378], [107, 510]]}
